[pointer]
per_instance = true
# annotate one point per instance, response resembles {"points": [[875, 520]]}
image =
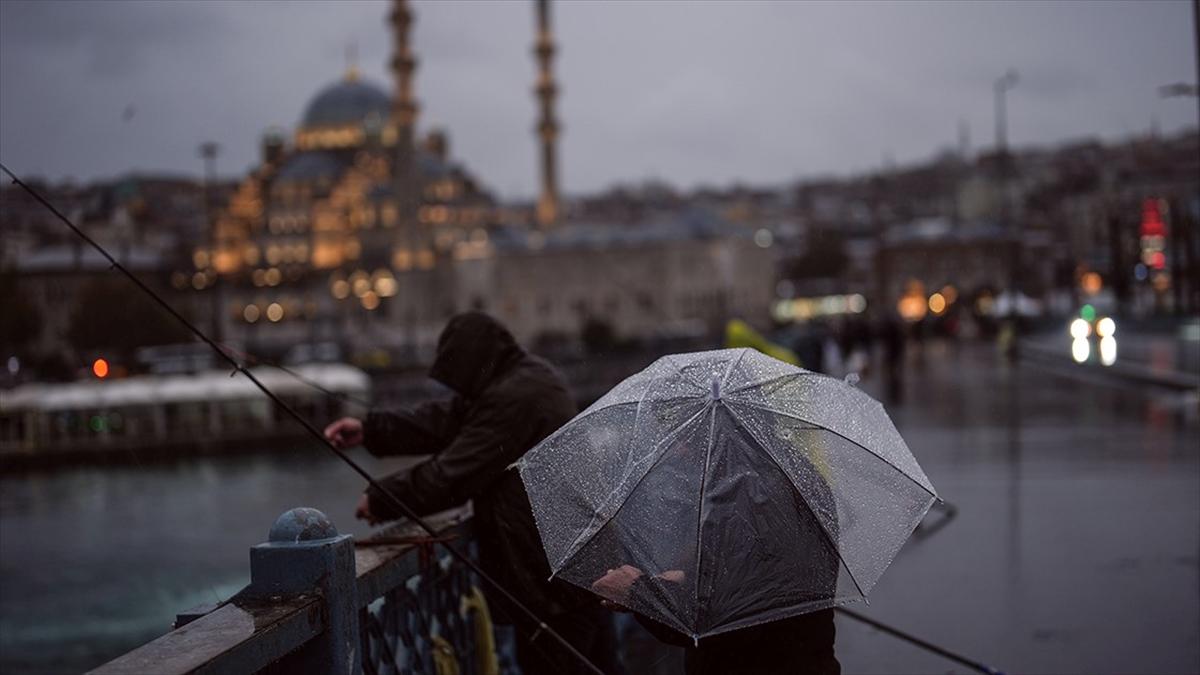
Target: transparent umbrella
{"points": [[717, 490]]}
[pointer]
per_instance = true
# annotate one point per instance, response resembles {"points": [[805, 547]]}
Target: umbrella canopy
{"points": [[717, 490]]}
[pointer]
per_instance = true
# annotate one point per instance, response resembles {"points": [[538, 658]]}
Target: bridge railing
{"points": [[319, 602]]}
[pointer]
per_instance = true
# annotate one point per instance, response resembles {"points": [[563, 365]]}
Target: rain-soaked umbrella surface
{"points": [[717, 490]]}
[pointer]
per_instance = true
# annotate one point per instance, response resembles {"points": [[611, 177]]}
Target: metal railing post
{"points": [[305, 554]]}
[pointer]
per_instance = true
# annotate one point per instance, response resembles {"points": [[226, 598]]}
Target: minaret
{"points": [[404, 121], [404, 106], [404, 171], [547, 128]]}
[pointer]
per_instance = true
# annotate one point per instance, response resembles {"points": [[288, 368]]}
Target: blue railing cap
{"points": [[301, 524]]}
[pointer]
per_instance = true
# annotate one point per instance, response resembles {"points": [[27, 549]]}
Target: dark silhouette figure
{"points": [[891, 334], [809, 345], [506, 401]]}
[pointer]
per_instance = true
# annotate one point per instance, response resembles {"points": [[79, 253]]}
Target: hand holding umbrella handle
{"points": [[673, 576], [615, 583]]}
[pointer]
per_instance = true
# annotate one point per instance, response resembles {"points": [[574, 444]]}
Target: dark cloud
{"points": [[110, 39], [694, 93]]}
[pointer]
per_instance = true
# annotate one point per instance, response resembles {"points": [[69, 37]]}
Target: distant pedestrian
{"points": [[856, 344], [505, 402], [809, 345], [891, 334]]}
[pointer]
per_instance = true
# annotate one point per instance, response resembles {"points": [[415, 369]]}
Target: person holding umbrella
{"points": [[505, 402], [799, 644], [728, 499]]}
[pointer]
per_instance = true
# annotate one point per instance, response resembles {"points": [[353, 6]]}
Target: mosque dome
{"points": [[310, 166], [350, 101]]}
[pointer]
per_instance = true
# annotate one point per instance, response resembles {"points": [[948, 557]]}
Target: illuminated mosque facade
{"points": [[361, 233], [319, 238]]}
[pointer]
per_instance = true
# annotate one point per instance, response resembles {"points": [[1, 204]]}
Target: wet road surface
{"points": [[1076, 545]]}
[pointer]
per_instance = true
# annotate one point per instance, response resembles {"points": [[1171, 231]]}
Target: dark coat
{"points": [[800, 645], [506, 402]]}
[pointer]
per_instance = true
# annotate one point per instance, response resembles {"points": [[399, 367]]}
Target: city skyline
{"points": [[652, 108]]}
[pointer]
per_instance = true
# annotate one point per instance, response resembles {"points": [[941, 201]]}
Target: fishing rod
{"points": [[257, 360], [928, 646], [541, 626]]}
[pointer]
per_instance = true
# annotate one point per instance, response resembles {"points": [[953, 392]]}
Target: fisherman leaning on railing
{"points": [[505, 402]]}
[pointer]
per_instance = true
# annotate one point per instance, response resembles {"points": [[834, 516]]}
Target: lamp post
{"points": [[1184, 228], [1000, 88], [208, 152], [1003, 83], [1186, 89]]}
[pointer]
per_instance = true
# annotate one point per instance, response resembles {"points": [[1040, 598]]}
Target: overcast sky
{"points": [[700, 92]]}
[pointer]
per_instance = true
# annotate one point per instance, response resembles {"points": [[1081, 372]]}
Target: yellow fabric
{"points": [[738, 333], [487, 662], [444, 661]]}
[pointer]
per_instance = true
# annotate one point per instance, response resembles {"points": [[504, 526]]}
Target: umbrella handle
{"points": [[949, 511]]}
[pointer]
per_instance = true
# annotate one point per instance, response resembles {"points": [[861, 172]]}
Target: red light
{"points": [[1152, 223], [1158, 260], [100, 368]]}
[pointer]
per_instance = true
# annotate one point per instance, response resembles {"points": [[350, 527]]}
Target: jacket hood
{"points": [[473, 350]]}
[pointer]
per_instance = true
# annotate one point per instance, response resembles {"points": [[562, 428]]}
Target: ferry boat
{"points": [[147, 417]]}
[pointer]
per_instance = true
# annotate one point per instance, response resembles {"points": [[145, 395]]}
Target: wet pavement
{"points": [[1075, 547], [1170, 351], [1076, 543]]}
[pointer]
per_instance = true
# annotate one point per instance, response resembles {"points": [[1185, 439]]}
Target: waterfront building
{"points": [[679, 276], [149, 223]]}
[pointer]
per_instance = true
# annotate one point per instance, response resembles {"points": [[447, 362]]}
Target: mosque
{"points": [[360, 232]]}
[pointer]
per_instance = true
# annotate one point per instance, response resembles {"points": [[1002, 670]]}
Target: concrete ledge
{"points": [[240, 637], [267, 621]]}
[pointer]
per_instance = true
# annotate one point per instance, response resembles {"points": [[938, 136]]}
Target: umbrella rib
{"points": [[731, 366], [615, 404], [803, 499], [844, 437], [776, 378], [700, 506], [577, 547], [712, 422]]}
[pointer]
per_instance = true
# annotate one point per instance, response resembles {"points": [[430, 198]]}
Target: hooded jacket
{"points": [[506, 401]]}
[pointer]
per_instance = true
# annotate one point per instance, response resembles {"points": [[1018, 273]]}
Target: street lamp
{"points": [[208, 152], [1001, 86], [1003, 83], [1180, 239]]}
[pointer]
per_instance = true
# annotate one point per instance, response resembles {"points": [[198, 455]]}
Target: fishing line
{"points": [[313, 431], [928, 646]]}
